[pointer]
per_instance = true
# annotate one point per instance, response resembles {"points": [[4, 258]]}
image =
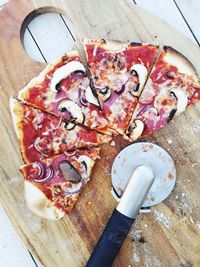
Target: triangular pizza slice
{"points": [[52, 185], [63, 89], [42, 134], [119, 72], [172, 86]]}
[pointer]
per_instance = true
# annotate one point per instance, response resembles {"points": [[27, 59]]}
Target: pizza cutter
{"points": [[143, 175]]}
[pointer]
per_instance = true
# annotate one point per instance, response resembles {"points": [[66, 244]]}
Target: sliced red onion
{"points": [[48, 175], [77, 74], [121, 90], [83, 101], [41, 170], [38, 148], [39, 119], [113, 96], [36, 144], [60, 122], [70, 153], [67, 115], [74, 190], [144, 108]]}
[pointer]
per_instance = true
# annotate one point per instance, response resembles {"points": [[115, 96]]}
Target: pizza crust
{"points": [[40, 204], [16, 112], [15, 118], [22, 94], [178, 60], [111, 45]]}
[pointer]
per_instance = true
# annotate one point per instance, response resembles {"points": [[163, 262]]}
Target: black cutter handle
{"points": [[110, 241]]}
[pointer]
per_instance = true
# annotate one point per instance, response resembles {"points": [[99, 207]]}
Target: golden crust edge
{"points": [[39, 204], [113, 45], [16, 113], [181, 60]]}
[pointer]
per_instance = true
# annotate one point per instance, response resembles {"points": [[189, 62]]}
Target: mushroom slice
{"points": [[141, 72], [87, 162], [105, 93], [73, 109], [182, 99], [89, 95], [137, 129], [69, 172], [63, 72]]}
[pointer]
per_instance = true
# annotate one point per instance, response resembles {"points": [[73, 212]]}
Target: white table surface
{"points": [[50, 35]]}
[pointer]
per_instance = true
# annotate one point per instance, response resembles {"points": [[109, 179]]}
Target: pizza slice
{"points": [[52, 185], [119, 72], [42, 134], [172, 86], [63, 89]]}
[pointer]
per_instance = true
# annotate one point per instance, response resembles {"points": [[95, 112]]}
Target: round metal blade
{"points": [[145, 153]]}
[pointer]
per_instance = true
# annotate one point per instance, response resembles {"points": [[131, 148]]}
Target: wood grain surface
{"points": [[170, 235]]}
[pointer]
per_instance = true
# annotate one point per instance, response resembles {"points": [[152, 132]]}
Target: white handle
{"points": [[136, 191]]}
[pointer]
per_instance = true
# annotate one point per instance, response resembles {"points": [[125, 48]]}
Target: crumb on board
{"points": [[162, 218], [112, 143], [15, 180], [169, 141], [170, 176]]}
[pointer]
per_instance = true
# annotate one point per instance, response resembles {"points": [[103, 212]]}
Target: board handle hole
{"points": [[47, 35]]}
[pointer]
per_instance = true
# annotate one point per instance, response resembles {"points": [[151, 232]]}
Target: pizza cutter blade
{"points": [[143, 174], [149, 154]]}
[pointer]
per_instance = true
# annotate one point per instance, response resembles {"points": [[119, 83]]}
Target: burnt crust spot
{"points": [[135, 44], [142, 240], [65, 58], [80, 71], [103, 41], [166, 47], [181, 59]]}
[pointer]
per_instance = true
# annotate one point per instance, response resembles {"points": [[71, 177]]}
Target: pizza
{"points": [[173, 85], [119, 72], [63, 89], [42, 135], [62, 115], [52, 186]]}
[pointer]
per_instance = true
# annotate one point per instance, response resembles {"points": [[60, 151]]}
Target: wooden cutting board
{"points": [[170, 235]]}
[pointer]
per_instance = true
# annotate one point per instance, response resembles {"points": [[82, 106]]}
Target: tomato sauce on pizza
{"points": [[43, 135], [119, 71], [61, 178], [64, 90], [172, 86]]}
